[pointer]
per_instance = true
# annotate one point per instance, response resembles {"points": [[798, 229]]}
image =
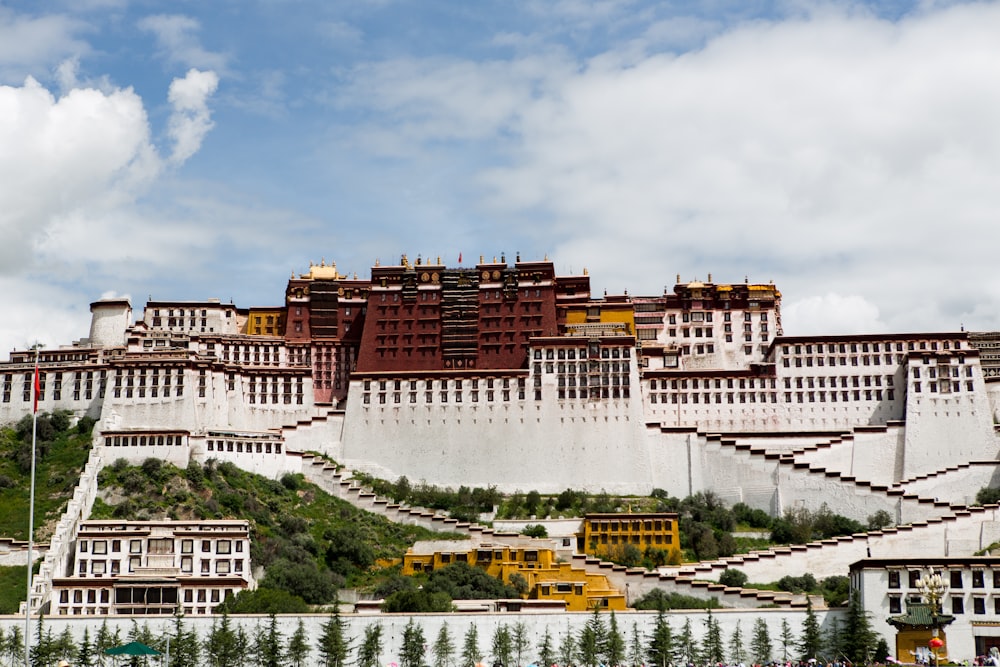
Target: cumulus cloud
{"points": [[76, 169], [61, 155], [191, 119], [835, 153]]}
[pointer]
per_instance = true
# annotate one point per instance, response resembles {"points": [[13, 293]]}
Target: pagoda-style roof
{"points": [[919, 615]]}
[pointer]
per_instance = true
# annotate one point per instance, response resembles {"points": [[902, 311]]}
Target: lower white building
{"points": [[967, 617], [154, 567]]}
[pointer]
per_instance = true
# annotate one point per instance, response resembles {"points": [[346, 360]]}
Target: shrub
{"points": [[735, 578], [535, 530]]}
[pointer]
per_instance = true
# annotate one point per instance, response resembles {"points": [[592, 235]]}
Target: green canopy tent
{"points": [[136, 652], [132, 648]]}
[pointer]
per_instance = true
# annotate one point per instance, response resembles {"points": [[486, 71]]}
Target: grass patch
{"points": [[13, 587]]}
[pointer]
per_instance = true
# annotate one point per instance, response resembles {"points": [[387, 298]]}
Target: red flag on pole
{"points": [[38, 387], [459, 258]]}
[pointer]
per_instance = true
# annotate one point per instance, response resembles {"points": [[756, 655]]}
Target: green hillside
{"points": [[61, 453], [309, 542]]}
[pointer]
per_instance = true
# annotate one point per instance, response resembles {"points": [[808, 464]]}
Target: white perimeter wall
{"points": [[556, 624]]}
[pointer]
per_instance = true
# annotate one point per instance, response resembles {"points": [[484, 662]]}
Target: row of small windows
{"points": [[278, 389], [81, 387], [844, 381], [257, 354], [706, 316], [649, 539], [730, 383], [595, 352], [943, 387], [143, 596], [708, 398], [647, 524], [592, 367], [956, 578], [844, 348], [100, 568], [133, 384], [489, 395], [864, 360], [159, 545], [180, 312], [709, 332], [443, 384], [241, 447], [144, 440], [942, 370]]}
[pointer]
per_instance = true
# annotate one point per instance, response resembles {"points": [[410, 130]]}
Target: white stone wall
{"points": [[486, 624], [944, 429], [520, 444]]}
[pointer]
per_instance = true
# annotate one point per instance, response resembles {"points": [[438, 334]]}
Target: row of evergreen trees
{"points": [[599, 642]]}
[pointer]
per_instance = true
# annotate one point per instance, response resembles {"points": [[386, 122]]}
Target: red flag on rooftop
{"points": [[38, 387], [459, 258]]}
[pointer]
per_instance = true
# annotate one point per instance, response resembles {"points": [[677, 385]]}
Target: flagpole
{"points": [[31, 518]]}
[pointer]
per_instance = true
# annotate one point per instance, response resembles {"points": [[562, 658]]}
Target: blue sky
{"points": [[185, 150]]}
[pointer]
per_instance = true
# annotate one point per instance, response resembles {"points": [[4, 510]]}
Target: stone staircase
{"points": [[337, 481]]}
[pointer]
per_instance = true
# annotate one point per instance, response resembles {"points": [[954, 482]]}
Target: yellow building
{"points": [[609, 316], [546, 578], [266, 322], [605, 535]]}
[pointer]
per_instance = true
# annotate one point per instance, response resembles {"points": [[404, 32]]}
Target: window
{"points": [[956, 578], [223, 547], [978, 579], [895, 605], [957, 606], [979, 605], [893, 578]]}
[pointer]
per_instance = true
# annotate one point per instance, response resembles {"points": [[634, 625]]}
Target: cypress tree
{"points": [[613, 646], [370, 653], [787, 639], [760, 644], [411, 653], [811, 642], [470, 647], [546, 652], [737, 654], [444, 648], [661, 642], [502, 646], [567, 648], [687, 649], [333, 646], [298, 646], [711, 647]]}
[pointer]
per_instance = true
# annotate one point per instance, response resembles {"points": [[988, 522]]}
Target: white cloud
{"points": [[831, 314], [34, 44], [178, 41], [191, 119], [75, 171], [59, 156], [836, 153]]}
